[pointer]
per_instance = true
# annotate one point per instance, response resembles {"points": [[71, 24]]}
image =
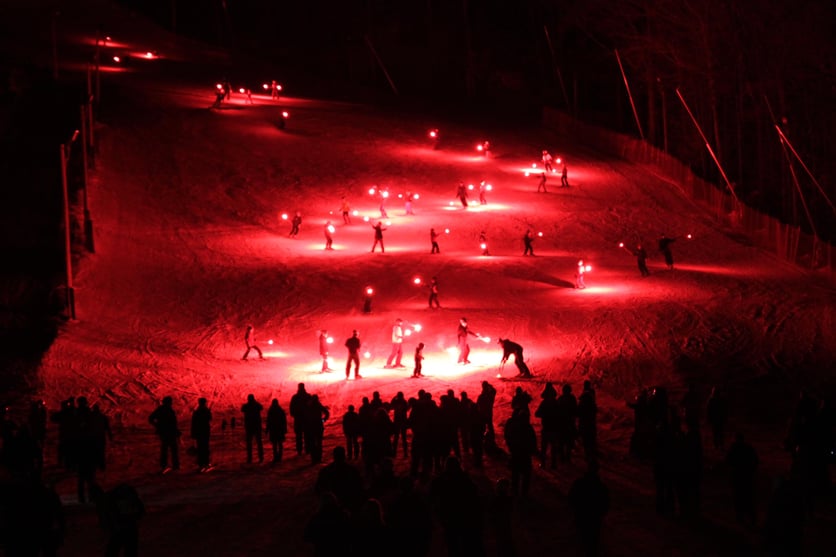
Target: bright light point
{"points": [[451, 204], [278, 87], [369, 291], [688, 236], [416, 196], [284, 216], [365, 219], [470, 186], [446, 230], [331, 228], [367, 354], [117, 59], [407, 332], [241, 90], [558, 160], [483, 246], [489, 187], [479, 147], [372, 191], [108, 39], [217, 85], [534, 165], [270, 341], [486, 339], [417, 327], [453, 351], [285, 114], [498, 375], [330, 212], [400, 196], [417, 280], [621, 244], [149, 54], [588, 268], [540, 234], [388, 223], [355, 213], [385, 194], [526, 174], [330, 340], [265, 86]]}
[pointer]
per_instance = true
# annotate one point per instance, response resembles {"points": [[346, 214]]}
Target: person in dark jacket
{"points": [[298, 406], [589, 499], [528, 243], [510, 347], [353, 346], [378, 236], [252, 427], [200, 430], [164, 420], [249, 339], [665, 248], [522, 444], [276, 429]]}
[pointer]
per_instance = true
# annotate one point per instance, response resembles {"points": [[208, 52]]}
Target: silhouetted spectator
{"points": [[784, 527], [164, 420], [588, 421], [65, 418], [377, 439], [459, 510], [549, 413], [400, 408], [252, 427], [590, 502], [370, 537], [522, 444], [665, 248], [742, 460], [37, 421], [665, 459], [276, 429], [521, 399], [86, 449], [692, 406], [328, 529], [642, 440], [31, 519], [717, 414], [421, 420], [501, 519], [201, 428], [298, 405], [485, 402], [449, 420], [351, 431], [472, 429], [315, 416], [121, 510], [567, 412], [410, 521], [342, 480]]}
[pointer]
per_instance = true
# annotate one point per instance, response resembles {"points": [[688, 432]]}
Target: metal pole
{"points": [[68, 255], [629, 94], [90, 129], [88, 222], [556, 69], [54, 34], [708, 146]]}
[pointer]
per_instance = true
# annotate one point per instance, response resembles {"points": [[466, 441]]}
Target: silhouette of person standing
{"points": [[742, 461], [397, 345], [580, 270], [564, 177], [434, 241], [200, 430], [717, 414], [121, 510], [352, 431], [294, 224], [252, 427], [589, 499], [528, 242], [164, 420], [665, 248], [353, 346], [298, 409], [434, 294], [547, 161], [588, 421], [641, 260], [522, 444], [249, 339], [483, 243], [276, 429], [378, 236], [483, 190]]}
